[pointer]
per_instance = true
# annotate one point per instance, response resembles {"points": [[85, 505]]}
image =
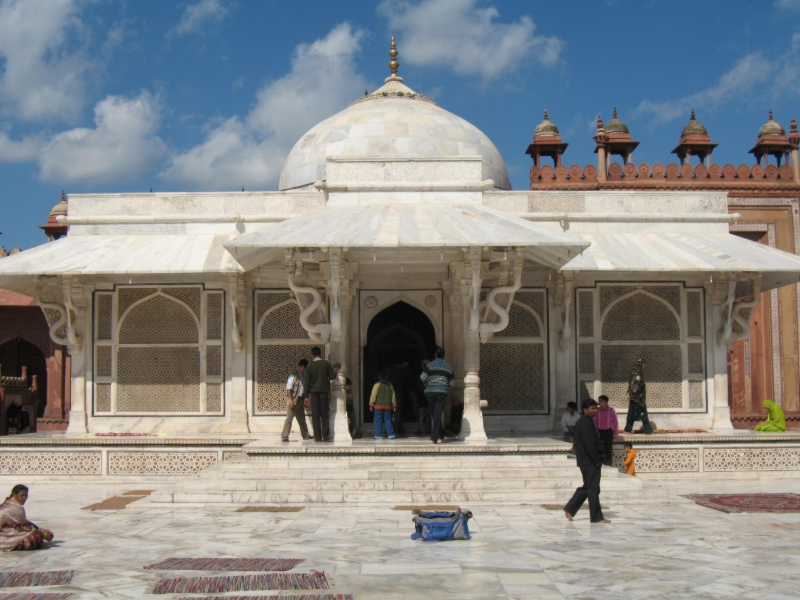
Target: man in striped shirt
{"points": [[438, 378], [607, 426]]}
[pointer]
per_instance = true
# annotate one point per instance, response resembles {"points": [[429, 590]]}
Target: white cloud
{"points": [[788, 4], [250, 151], [197, 15], [121, 147], [41, 79], [748, 75], [459, 35], [21, 151]]}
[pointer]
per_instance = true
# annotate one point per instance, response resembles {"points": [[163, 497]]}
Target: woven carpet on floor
{"points": [[280, 597], [749, 503], [20, 579], [226, 564], [242, 583], [35, 596]]}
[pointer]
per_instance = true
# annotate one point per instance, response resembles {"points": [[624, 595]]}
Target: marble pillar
{"points": [[472, 428], [719, 409], [236, 346]]}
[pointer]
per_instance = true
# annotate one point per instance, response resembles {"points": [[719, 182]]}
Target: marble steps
{"points": [[455, 479]]}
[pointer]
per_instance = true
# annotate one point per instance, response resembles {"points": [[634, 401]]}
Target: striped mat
{"points": [[279, 597], [35, 596], [19, 579], [226, 564], [242, 583]]}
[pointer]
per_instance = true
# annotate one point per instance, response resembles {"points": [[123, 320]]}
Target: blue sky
{"points": [[121, 95]]}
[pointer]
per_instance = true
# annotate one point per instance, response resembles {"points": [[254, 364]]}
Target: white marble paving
{"points": [[653, 551]]}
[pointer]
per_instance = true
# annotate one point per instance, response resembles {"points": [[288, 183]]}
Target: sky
{"points": [[106, 96]]}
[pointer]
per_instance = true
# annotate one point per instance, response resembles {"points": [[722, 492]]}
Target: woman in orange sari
{"points": [[16, 532]]}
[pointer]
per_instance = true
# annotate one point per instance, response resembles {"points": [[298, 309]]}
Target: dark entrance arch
{"points": [[399, 333], [18, 353]]}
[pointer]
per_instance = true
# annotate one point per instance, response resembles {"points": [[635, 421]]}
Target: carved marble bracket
{"points": [[732, 311], [320, 333], [562, 302], [62, 318], [488, 329], [473, 280], [238, 302], [55, 313]]}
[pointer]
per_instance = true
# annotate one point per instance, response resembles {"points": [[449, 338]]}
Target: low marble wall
{"points": [[713, 458], [71, 459]]}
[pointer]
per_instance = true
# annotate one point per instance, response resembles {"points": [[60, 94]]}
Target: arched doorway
{"points": [[398, 334], [18, 353]]}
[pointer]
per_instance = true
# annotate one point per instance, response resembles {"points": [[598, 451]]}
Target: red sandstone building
{"points": [[766, 195], [35, 370]]}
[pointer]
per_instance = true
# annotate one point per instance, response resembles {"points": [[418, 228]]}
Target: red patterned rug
{"points": [[226, 564], [243, 583], [34, 596], [749, 503], [21, 579], [280, 597]]}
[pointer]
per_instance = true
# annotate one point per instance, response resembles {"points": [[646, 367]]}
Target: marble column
{"points": [[236, 346], [78, 302], [472, 428], [720, 411], [340, 305]]}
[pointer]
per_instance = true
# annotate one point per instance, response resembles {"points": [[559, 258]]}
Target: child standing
{"points": [[630, 459], [382, 403]]}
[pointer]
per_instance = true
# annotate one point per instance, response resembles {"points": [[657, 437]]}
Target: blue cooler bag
{"points": [[442, 526]]}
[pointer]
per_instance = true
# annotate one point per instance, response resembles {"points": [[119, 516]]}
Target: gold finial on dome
{"points": [[393, 64]]}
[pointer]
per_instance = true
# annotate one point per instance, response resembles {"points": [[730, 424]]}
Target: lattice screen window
{"points": [[662, 323], [280, 343], [513, 363], [159, 350]]}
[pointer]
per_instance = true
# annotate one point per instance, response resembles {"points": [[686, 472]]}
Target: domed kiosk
{"points": [[392, 121]]}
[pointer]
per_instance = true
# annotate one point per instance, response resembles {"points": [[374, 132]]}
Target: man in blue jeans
{"points": [[438, 378]]}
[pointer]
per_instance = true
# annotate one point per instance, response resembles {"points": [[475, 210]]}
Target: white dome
{"points": [[393, 121]]}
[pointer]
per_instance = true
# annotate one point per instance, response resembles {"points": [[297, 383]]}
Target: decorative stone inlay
{"points": [[640, 317], [751, 459], [522, 392], [248, 203], [406, 170], [50, 463], [273, 365], [694, 313], [159, 463], [229, 454], [213, 397], [105, 303], [102, 402], [214, 316], [371, 301], [158, 379], [283, 323], [661, 461], [696, 394], [159, 320], [429, 301], [586, 314], [521, 323], [663, 376]]}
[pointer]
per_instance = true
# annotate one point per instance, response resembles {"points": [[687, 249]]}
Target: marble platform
{"points": [[654, 551]]}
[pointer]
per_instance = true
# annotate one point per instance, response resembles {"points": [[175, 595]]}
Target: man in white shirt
{"points": [[295, 405], [568, 420]]}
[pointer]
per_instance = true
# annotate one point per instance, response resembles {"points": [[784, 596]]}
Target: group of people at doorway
{"points": [[309, 385]]}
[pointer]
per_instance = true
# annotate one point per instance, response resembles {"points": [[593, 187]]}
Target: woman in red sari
{"points": [[16, 532]]}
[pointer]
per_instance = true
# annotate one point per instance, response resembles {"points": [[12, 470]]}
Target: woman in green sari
{"points": [[637, 406], [776, 421]]}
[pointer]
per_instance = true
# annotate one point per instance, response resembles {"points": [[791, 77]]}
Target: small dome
{"points": [[616, 126], [771, 127], [693, 127], [545, 128], [60, 209]]}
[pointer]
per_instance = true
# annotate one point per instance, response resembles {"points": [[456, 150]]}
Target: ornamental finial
{"points": [[393, 65]]}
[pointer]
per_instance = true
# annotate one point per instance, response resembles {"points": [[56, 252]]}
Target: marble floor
{"points": [[660, 551]]}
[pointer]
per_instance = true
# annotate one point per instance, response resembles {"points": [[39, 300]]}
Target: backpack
{"points": [[442, 526]]}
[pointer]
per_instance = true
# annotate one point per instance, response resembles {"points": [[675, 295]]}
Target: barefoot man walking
{"points": [[590, 454]]}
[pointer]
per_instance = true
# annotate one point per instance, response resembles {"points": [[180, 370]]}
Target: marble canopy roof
{"points": [[665, 252], [117, 255], [406, 226]]}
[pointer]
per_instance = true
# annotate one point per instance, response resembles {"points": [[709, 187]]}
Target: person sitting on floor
{"points": [[630, 459], [16, 532], [776, 421], [382, 403], [568, 420]]}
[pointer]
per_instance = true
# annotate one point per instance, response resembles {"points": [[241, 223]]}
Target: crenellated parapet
{"points": [[659, 176]]}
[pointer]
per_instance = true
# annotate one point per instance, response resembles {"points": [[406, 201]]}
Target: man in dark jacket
{"points": [[590, 454]]}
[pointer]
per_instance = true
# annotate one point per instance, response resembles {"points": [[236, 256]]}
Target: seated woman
{"points": [[776, 421], [16, 532]]}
